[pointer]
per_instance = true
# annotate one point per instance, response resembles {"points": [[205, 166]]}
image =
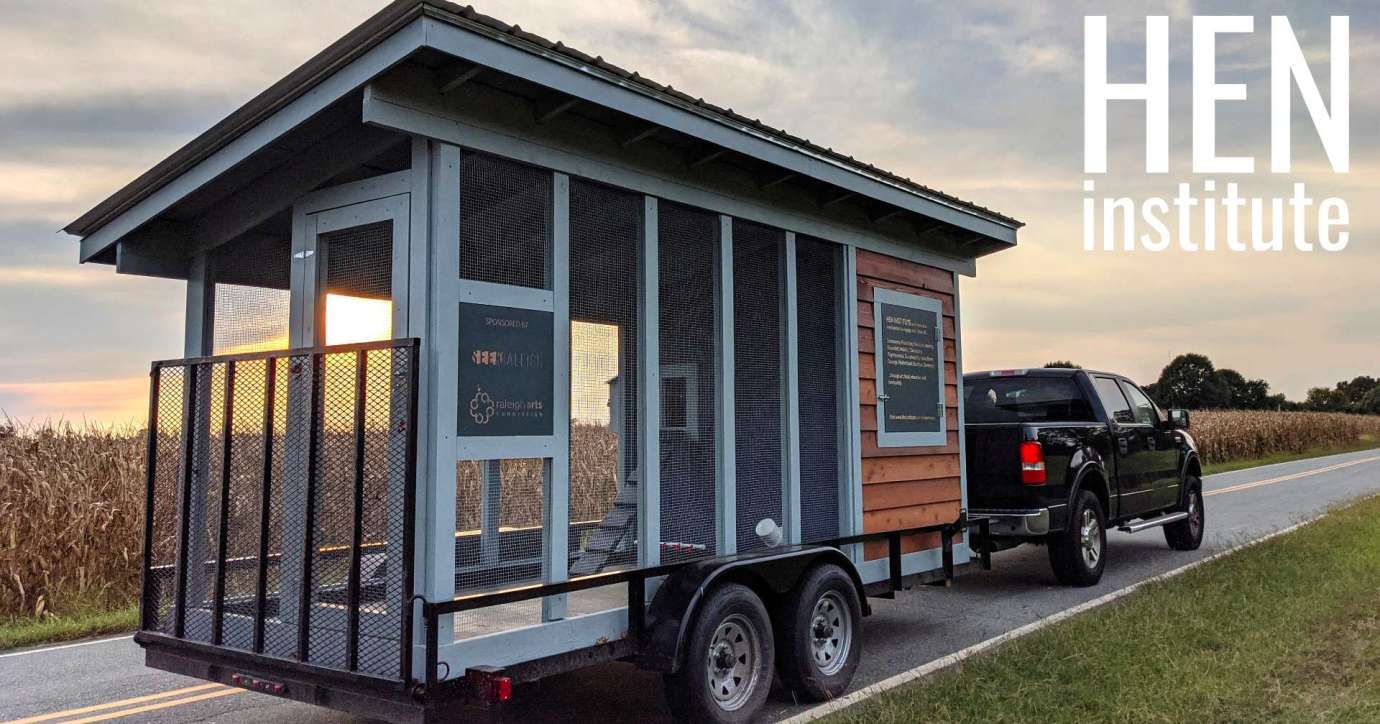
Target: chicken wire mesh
{"points": [[687, 251], [258, 447], [758, 361], [505, 222], [818, 291], [605, 238]]}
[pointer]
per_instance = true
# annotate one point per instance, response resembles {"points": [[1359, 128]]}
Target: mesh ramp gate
{"points": [[280, 504]]}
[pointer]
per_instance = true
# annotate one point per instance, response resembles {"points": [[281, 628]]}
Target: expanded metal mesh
{"points": [[251, 429], [757, 365], [818, 290], [505, 221], [687, 251], [499, 537], [605, 237]]}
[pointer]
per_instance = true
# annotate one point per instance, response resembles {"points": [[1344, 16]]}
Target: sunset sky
{"points": [[981, 100]]}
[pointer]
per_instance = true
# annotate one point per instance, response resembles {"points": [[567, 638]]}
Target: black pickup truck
{"points": [[1055, 456]]}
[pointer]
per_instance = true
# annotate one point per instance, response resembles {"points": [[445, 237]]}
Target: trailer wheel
{"points": [[728, 661], [1079, 553], [817, 634], [1187, 534]]}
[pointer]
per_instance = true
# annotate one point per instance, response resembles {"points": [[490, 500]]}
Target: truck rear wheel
{"points": [[729, 658], [1187, 534], [817, 634], [1078, 554]]}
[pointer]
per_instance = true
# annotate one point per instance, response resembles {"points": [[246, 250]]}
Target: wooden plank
{"points": [[875, 521], [866, 287], [909, 544], [908, 493], [869, 417], [867, 389], [865, 321], [896, 469], [879, 266], [870, 449]]}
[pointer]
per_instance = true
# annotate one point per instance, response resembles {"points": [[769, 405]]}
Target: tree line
{"points": [[1191, 381]]}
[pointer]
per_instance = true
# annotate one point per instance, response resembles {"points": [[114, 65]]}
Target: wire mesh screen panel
{"points": [[505, 221], [359, 282], [818, 291], [294, 471], [165, 455], [687, 259], [757, 365], [605, 236], [499, 538], [252, 303]]}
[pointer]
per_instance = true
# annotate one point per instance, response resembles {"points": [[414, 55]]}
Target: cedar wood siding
{"points": [[906, 487]]}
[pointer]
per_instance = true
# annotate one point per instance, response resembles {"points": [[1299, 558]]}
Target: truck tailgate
{"points": [[994, 465]]}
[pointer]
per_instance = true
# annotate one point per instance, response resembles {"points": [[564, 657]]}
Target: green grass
{"points": [[15, 633], [1287, 631], [1366, 442]]}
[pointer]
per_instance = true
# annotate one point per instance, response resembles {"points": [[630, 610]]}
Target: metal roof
{"points": [[400, 13]]}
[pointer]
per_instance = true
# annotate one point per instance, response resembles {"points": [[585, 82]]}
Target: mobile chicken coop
{"points": [[502, 360]]}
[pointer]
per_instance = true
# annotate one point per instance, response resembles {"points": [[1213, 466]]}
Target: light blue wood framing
{"points": [[890, 438], [962, 421], [649, 402], [790, 395], [557, 503], [726, 446], [850, 501]]}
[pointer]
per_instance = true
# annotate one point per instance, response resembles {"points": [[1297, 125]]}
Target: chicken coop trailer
{"points": [[501, 360]]}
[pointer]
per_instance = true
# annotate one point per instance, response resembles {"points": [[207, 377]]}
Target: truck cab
{"points": [[1056, 456]]}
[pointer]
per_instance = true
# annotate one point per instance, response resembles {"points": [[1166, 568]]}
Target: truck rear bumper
{"points": [[1023, 523]]}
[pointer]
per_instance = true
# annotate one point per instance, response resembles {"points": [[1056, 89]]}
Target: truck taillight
{"points": [[1032, 463]]}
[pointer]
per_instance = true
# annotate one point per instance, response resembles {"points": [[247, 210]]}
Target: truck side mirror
{"points": [[1178, 419]]}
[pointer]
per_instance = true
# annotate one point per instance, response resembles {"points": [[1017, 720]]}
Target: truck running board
{"points": [[1165, 519]]}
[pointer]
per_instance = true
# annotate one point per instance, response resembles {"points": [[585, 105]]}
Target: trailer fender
{"points": [[771, 574]]}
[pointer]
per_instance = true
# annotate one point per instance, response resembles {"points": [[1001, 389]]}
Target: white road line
{"points": [[944, 662], [67, 646]]}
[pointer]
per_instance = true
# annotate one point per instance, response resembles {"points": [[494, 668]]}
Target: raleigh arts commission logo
{"points": [[482, 406], [1250, 223]]}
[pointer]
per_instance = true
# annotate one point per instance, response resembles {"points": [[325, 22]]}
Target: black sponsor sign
{"points": [[910, 342], [506, 377]]}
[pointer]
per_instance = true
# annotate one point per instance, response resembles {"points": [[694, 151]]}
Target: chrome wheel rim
{"points": [[1195, 513], [831, 633], [733, 653], [1090, 534]]}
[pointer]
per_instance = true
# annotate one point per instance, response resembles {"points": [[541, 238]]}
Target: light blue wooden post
{"points": [[726, 446]]}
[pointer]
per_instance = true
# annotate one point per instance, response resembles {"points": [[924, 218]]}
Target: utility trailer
{"points": [[501, 360]]}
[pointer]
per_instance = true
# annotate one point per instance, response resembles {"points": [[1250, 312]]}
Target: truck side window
{"points": [[1141, 405], [1118, 409]]}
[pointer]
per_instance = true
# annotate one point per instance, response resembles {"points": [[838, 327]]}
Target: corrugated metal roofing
{"points": [[395, 16]]}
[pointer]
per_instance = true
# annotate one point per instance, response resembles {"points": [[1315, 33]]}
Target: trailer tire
{"points": [[817, 634], [1187, 535], [1078, 554], [729, 657]]}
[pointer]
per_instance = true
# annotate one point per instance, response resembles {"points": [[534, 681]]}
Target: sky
{"points": [[981, 100]]}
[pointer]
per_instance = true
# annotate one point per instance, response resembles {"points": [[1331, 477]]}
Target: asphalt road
{"points": [[106, 680]]}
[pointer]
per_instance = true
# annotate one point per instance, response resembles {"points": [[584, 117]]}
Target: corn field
{"points": [[71, 498], [1225, 435]]}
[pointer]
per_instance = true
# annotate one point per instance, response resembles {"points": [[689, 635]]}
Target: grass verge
{"points": [[18, 632], [1288, 630], [1366, 442]]}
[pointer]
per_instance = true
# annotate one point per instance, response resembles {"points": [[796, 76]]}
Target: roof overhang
{"points": [[407, 27]]}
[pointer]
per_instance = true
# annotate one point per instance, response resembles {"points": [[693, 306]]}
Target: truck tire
{"points": [[1187, 534], [1079, 553], [729, 657], [817, 641]]}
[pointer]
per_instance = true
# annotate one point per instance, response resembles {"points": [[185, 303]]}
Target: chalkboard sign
{"points": [[506, 374], [909, 333]]}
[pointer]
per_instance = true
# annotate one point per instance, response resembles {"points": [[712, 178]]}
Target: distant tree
{"points": [[1322, 399], [1191, 381], [1233, 386], [1370, 403], [1063, 364]]}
